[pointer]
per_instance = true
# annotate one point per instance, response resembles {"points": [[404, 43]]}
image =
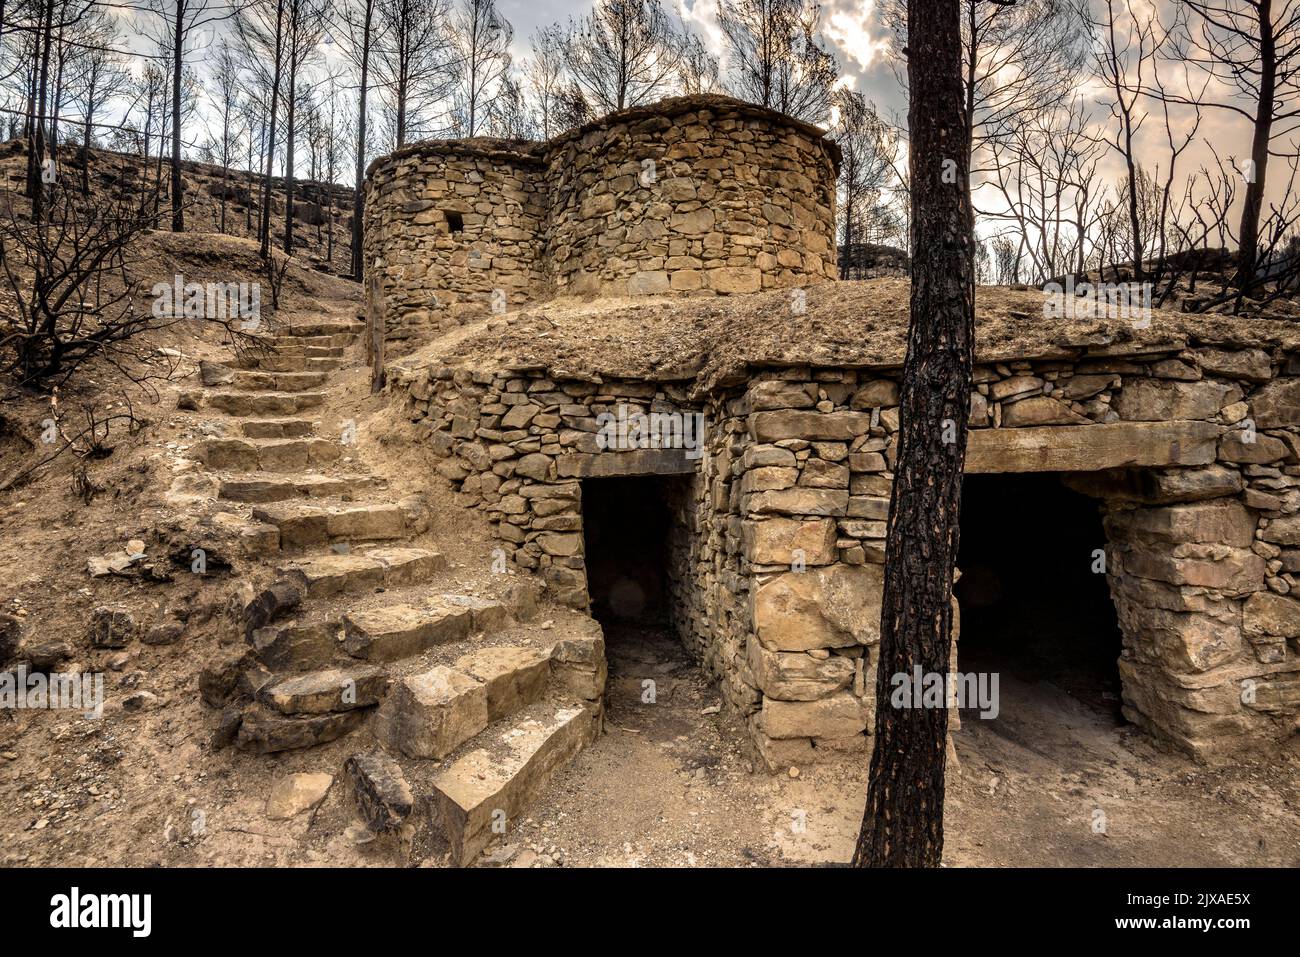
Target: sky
{"points": [[854, 31]]}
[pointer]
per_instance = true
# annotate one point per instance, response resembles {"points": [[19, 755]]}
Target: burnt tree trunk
{"points": [[264, 225], [358, 200], [1248, 233], [903, 822], [178, 62]]}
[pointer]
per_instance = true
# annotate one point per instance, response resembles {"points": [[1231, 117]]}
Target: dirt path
{"points": [[670, 786]]}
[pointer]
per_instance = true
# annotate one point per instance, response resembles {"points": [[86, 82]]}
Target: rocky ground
{"points": [[670, 785]]}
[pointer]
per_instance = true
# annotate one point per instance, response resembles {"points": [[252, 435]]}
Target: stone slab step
{"points": [[325, 691], [308, 329], [266, 455], [263, 489], [514, 676], [253, 380], [296, 645], [265, 731], [303, 525], [430, 715], [287, 362], [276, 428], [264, 403], [399, 631], [376, 568], [507, 766], [301, 348]]}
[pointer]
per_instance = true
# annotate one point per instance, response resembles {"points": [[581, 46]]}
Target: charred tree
{"points": [[903, 822]]}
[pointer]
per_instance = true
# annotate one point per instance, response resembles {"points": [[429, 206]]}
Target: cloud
{"points": [[851, 32]]}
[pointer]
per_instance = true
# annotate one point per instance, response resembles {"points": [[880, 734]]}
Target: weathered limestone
{"points": [[504, 776], [833, 607], [295, 794], [513, 677], [694, 194], [383, 797], [321, 692], [393, 632], [1108, 446], [777, 540], [429, 715]]}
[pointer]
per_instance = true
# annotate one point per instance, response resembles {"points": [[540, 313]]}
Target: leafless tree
{"points": [[623, 53], [361, 26], [411, 60], [544, 77], [226, 86], [68, 291], [867, 172], [508, 114], [775, 57], [179, 30], [698, 69], [1252, 48], [480, 46], [261, 28], [102, 77], [304, 25]]}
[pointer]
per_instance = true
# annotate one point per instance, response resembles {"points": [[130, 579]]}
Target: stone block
{"points": [[835, 606]]}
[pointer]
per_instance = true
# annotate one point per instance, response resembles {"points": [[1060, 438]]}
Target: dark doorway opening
{"points": [[637, 556], [626, 524], [1035, 608]]}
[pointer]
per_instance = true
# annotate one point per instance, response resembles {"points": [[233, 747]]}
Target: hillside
{"points": [[316, 205]]}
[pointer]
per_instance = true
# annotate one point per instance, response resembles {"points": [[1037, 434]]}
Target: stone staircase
{"points": [[363, 626]]}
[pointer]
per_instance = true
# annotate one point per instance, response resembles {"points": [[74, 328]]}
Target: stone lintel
{"points": [[630, 462], [1089, 448]]}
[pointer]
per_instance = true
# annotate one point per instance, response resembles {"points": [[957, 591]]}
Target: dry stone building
{"points": [[750, 438]]}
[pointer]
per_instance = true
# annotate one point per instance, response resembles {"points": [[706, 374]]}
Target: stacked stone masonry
{"points": [[693, 195], [1193, 456]]}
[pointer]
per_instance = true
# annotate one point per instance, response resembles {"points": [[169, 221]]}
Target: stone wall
{"points": [[691, 195], [457, 227], [1193, 456]]}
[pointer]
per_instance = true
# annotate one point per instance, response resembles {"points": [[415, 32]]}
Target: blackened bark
{"points": [[264, 227], [178, 60], [291, 134], [358, 200], [903, 822], [1263, 133]]}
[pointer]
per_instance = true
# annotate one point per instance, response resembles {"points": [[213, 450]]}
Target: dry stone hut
{"points": [[725, 461]]}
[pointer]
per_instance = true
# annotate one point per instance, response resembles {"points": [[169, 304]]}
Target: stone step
{"points": [[258, 381], [262, 489], [288, 362], [312, 329], [264, 403], [375, 568], [503, 770], [399, 631], [295, 348], [266, 455], [288, 344], [276, 428], [263, 730], [304, 526], [430, 715], [296, 645], [325, 691]]}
